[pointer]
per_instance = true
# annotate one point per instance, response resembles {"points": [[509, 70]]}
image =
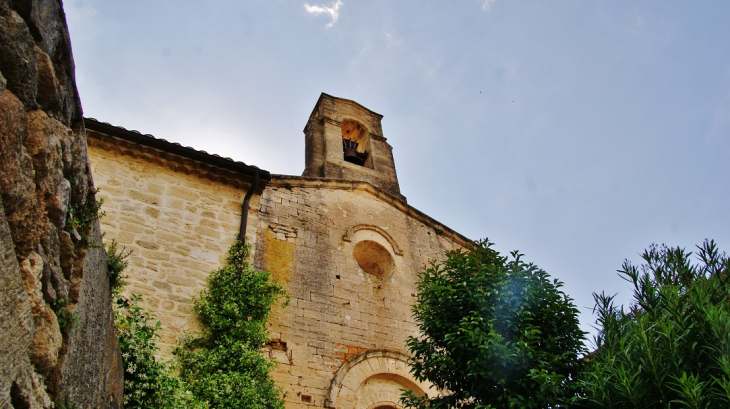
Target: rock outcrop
{"points": [[57, 340]]}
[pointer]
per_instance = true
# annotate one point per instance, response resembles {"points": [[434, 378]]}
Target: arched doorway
{"points": [[373, 379]]}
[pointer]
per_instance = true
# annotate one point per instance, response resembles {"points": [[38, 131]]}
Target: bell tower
{"points": [[344, 140]]}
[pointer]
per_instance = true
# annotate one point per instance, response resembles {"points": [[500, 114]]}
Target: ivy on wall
{"points": [[223, 364]]}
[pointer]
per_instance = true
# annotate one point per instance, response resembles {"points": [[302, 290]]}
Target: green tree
{"points": [[671, 347], [495, 333], [223, 364]]}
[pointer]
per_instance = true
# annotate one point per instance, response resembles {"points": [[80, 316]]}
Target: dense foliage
{"points": [[223, 365], [671, 348], [149, 382], [496, 333]]}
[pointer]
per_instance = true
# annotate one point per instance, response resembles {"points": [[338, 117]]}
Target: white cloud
{"points": [[333, 11], [487, 4]]}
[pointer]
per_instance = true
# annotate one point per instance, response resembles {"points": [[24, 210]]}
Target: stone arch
{"points": [[372, 379], [356, 228], [354, 130], [374, 250], [356, 142], [345, 117], [384, 405]]}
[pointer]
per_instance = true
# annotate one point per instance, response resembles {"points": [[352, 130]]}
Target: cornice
{"points": [[382, 195]]}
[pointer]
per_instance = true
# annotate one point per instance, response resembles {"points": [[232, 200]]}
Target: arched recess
{"points": [[356, 143], [367, 130], [373, 379], [354, 229]]}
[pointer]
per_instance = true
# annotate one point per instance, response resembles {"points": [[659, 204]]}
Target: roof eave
{"points": [[176, 149]]}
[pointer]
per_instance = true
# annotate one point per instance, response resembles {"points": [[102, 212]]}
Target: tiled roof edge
{"points": [[175, 148]]}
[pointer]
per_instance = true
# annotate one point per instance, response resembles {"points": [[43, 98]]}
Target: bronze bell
{"points": [[351, 154]]}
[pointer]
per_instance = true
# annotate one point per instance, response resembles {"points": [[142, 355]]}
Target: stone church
{"points": [[341, 238]]}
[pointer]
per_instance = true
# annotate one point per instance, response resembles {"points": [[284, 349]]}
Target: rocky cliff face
{"points": [[57, 341]]}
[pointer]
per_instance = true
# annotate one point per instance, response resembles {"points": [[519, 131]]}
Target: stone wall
{"points": [[176, 220], [348, 254], [347, 250], [57, 340]]}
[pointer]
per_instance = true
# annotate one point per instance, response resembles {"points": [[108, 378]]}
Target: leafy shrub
{"points": [[495, 333], [149, 382], [223, 364], [81, 217], [671, 347], [67, 320], [116, 262]]}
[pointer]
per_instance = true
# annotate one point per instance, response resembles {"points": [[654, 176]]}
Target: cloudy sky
{"points": [[578, 132]]}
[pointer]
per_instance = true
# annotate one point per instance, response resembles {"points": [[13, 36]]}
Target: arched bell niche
{"points": [[356, 143]]}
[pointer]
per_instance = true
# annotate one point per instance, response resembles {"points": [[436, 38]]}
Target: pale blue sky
{"points": [[578, 132]]}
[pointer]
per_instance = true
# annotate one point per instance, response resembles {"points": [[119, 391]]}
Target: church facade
{"points": [[341, 238]]}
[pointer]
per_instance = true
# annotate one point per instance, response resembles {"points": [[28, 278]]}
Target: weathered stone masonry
{"points": [[341, 238], [177, 216], [50, 267], [337, 309]]}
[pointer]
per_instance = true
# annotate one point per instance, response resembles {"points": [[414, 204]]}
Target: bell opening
{"points": [[351, 154]]}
